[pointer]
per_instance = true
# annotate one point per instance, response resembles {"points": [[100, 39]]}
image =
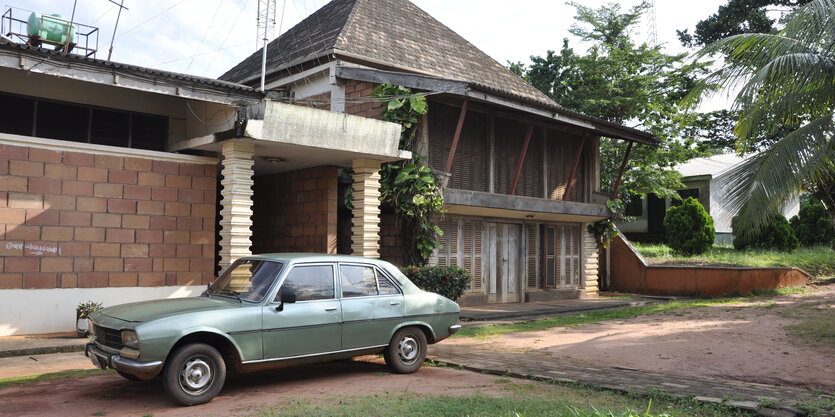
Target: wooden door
{"points": [[504, 263]]}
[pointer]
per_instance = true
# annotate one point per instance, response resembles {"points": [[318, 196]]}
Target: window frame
{"points": [[377, 273], [337, 288]]}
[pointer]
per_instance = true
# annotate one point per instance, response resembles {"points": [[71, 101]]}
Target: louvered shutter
{"points": [[533, 255], [442, 121]]}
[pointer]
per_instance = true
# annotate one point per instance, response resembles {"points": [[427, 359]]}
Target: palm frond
{"points": [[763, 183]]}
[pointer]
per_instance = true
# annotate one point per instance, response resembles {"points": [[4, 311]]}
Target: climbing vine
{"points": [[605, 230], [410, 187]]}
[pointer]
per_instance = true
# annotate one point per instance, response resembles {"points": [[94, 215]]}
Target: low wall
{"points": [[631, 273]]}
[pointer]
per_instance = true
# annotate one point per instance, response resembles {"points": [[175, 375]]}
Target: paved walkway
{"points": [[538, 309], [40, 344], [744, 395]]}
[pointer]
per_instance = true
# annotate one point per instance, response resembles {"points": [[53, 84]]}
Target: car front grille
{"points": [[108, 337]]}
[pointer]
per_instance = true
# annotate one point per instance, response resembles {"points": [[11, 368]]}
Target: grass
{"points": [[816, 325], [20, 380], [622, 313], [516, 399], [817, 261]]}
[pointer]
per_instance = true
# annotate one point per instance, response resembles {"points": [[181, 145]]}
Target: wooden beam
{"points": [[574, 167], [620, 172], [457, 136], [521, 160]]}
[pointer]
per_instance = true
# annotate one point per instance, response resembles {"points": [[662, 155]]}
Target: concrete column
{"points": [[365, 232], [591, 261], [236, 193]]}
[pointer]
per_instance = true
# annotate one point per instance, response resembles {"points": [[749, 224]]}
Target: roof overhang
{"points": [[476, 203], [76, 67], [289, 137], [596, 126]]}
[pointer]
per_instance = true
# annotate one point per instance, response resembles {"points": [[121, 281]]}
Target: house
{"points": [[120, 183], [702, 179], [524, 171]]}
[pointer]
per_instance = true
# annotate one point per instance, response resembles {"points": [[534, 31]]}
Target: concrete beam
{"points": [[481, 203]]}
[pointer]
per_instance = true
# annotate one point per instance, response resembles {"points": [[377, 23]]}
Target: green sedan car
{"points": [[272, 311]]}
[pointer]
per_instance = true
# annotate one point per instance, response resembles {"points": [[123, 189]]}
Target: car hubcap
{"points": [[408, 349], [196, 375]]}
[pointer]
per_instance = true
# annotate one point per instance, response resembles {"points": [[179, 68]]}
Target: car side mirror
{"points": [[285, 297]]}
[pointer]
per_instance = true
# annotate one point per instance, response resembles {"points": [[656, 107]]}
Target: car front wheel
{"points": [[194, 374], [406, 351]]}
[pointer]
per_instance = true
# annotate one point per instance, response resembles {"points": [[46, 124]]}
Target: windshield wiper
{"points": [[233, 292]]}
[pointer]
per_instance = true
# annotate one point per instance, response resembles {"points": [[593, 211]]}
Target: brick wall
{"points": [[78, 220], [391, 239], [357, 95], [295, 211], [319, 101]]}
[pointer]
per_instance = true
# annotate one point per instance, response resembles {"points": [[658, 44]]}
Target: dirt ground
{"points": [[242, 394], [749, 341]]}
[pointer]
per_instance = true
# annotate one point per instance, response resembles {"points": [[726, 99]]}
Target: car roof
{"points": [[313, 257]]}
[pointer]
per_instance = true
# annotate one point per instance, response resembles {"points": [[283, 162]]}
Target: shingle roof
{"points": [[394, 32]]}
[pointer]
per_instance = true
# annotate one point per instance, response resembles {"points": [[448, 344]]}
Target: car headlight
{"points": [[129, 339]]}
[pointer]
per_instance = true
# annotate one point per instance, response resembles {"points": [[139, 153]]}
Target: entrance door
{"points": [[504, 264], [656, 209]]}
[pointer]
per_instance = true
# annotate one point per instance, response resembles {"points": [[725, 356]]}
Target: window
{"points": [[79, 123], [562, 255], [358, 281], [313, 282], [691, 192], [635, 208], [17, 115], [386, 286], [250, 279]]}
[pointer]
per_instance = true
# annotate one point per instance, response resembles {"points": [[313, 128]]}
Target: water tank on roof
{"points": [[50, 28]]}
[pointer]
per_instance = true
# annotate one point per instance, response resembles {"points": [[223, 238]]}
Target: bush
{"points": [[689, 229], [449, 281], [812, 225], [777, 235]]}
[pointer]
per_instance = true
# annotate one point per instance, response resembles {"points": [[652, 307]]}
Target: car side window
{"points": [[386, 286], [358, 281], [309, 282]]}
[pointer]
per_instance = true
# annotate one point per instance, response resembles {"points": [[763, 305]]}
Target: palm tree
{"points": [[786, 85]]}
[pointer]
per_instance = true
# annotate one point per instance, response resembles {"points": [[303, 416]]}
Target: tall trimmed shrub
{"points": [[777, 235], [812, 225], [449, 281], [689, 228]]}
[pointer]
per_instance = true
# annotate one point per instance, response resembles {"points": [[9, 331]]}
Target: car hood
{"points": [[149, 310]]}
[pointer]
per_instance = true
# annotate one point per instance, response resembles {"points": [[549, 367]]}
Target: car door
{"points": [[309, 326], [372, 306]]}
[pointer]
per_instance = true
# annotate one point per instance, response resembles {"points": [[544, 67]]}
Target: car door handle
{"points": [[395, 303], [330, 308]]}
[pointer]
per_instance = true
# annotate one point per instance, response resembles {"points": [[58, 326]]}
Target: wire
{"points": [[103, 14], [152, 18], [202, 53], [227, 37], [206, 32]]}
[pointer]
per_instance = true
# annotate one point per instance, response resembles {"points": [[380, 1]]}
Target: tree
{"points": [[787, 90], [737, 17], [624, 82]]}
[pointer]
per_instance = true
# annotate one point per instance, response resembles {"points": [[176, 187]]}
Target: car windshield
{"points": [[246, 279]]}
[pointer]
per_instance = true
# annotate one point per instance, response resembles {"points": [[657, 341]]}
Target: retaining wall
{"points": [[630, 272]]}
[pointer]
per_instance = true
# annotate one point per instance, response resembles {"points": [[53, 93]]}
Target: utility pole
{"points": [[266, 26]]}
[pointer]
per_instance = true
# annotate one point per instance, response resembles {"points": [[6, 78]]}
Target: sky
{"points": [[208, 37]]}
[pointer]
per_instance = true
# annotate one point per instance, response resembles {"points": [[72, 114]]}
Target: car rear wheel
{"points": [[406, 351], [194, 374]]}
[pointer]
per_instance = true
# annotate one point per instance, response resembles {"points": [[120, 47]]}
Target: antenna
{"points": [[653, 25], [121, 5], [266, 26]]}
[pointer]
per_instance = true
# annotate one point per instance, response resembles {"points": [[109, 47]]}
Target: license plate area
{"points": [[98, 362]]}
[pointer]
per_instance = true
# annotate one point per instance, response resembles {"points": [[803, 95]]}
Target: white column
{"points": [[591, 261], [236, 211], [365, 232]]}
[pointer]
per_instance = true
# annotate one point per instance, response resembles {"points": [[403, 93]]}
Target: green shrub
{"points": [[777, 235], [689, 229], [812, 225], [449, 281]]}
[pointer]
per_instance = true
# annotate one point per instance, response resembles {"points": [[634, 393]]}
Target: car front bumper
{"points": [[104, 360]]}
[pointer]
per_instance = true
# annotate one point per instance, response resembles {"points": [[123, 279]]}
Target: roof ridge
{"points": [[340, 38]]}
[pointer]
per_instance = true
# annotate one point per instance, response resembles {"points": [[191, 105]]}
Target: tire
{"points": [[206, 369], [129, 377], [406, 351]]}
